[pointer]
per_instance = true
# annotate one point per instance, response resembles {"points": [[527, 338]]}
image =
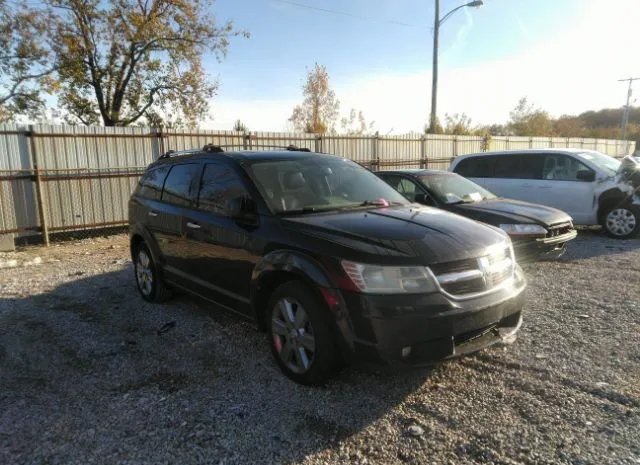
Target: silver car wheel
{"points": [[621, 222], [144, 274], [293, 335]]}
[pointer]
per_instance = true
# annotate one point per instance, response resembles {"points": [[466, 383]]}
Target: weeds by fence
{"points": [[65, 178]]}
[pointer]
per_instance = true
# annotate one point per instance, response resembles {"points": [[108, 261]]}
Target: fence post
{"points": [[39, 194], [530, 142], [245, 140], [375, 160], [423, 152], [455, 146], [318, 143]]}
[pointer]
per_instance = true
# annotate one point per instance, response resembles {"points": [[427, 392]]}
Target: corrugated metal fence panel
{"points": [[267, 140], [358, 149], [399, 152], [186, 140], [89, 172], [468, 144], [17, 196], [439, 151]]}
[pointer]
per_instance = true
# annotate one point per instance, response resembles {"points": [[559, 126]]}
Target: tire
{"points": [[621, 221], [148, 280], [298, 319]]}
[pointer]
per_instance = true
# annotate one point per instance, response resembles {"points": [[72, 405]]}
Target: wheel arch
{"points": [[608, 199]]}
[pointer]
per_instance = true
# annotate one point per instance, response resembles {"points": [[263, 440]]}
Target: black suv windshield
{"points": [[319, 183], [452, 188]]}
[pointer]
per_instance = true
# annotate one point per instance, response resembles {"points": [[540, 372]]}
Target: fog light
{"points": [[406, 351]]}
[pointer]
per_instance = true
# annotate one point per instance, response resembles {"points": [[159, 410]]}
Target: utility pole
{"points": [[434, 70], [437, 22], [625, 115]]}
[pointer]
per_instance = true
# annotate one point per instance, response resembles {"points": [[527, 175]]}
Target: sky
{"points": [[565, 56]]}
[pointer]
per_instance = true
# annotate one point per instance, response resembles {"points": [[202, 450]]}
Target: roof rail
{"points": [[212, 148]]}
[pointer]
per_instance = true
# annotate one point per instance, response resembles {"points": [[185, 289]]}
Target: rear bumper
{"points": [[533, 249], [433, 326]]}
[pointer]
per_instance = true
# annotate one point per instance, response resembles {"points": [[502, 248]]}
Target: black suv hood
{"points": [[494, 211], [426, 234]]}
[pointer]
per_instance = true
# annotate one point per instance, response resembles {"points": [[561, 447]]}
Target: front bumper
{"points": [[434, 326], [549, 248]]}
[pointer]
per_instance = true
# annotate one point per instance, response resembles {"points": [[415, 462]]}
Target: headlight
{"points": [[523, 229], [375, 279]]}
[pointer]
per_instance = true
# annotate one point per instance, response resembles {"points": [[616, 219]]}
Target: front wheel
{"points": [[622, 222], [300, 335]]}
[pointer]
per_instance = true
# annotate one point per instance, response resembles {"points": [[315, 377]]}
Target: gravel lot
{"points": [[90, 373]]}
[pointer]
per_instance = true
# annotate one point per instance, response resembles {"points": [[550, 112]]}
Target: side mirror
{"points": [[586, 175], [243, 210]]}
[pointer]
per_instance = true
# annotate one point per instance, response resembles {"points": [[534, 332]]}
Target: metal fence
{"points": [[70, 178]]}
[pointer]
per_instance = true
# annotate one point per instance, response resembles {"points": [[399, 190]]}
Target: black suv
{"points": [[326, 257]]}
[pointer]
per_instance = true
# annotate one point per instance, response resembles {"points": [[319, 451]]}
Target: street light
{"points": [[434, 72]]}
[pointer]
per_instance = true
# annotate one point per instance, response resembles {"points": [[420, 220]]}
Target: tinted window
{"points": [[177, 187], [518, 166], [475, 167], [150, 186], [408, 189], [563, 168], [219, 184]]}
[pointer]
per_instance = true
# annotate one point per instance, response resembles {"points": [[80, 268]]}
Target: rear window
{"points": [[178, 186], [475, 167], [150, 186]]}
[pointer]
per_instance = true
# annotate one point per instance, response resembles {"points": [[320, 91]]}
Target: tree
{"points": [[437, 130], [318, 112], [457, 124], [240, 126], [124, 60], [568, 126], [26, 65], [356, 124], [526, 120]]}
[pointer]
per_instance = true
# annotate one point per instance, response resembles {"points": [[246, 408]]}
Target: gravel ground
{"points": [[90, 373]]}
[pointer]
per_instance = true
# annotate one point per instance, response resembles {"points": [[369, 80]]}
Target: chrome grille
{"points": [[475, 276]]}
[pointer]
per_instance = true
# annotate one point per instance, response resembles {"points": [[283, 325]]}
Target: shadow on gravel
{"points": [[92, 373]]}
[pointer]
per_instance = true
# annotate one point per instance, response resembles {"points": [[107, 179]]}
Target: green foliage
{"points": [[457, 124], [124, 60], [356, 124], [240, 126], [319, 111], [26, 62], [526, 120]]}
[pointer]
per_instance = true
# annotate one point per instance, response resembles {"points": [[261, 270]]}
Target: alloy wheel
{"points": [[293, 335], [621, 222], [144, 274]]}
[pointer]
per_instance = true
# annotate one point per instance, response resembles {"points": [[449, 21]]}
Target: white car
{"points": [[593, 188]]}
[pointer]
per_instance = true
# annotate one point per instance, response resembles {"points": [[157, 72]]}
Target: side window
{"points": [[518, 166], [150, 186], [219, 184], [562, 168], [177, 188], [408, 188], [475, 167]]}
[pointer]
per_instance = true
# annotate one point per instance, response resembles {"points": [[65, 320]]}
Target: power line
{"points": [[344, 13]]}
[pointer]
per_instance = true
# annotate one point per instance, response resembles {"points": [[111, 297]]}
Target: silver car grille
{"points": [[476, 276]]}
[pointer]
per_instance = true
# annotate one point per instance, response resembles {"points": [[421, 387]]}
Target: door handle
{"points": [[193, 225], [152, 213]]}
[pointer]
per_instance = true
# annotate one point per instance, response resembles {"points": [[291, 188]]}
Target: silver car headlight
{"points": [[377, 279], [523, 229]]}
